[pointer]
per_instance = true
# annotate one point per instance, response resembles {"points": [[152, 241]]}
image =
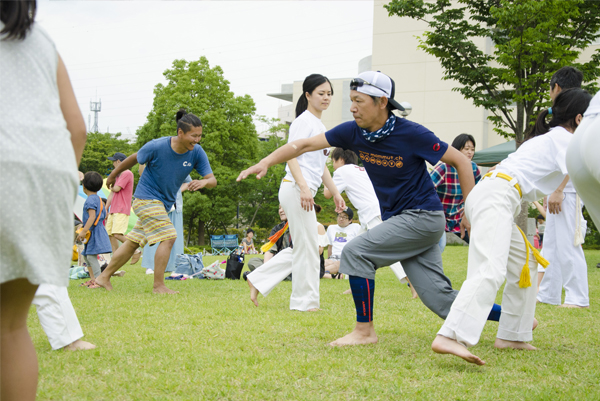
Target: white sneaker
{"points": [[149, 271]]}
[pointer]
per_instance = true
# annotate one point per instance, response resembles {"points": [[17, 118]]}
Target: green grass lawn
{"points": [[211, 343]]}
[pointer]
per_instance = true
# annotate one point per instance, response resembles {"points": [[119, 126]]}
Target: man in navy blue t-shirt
{"points": [[393, 151], [168, 161]]}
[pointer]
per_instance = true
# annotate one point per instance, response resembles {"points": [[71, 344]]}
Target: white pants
{"points": [[567, 267], [584, 165], [57, 316], [496, 252], [396, 267], [302, 260]]}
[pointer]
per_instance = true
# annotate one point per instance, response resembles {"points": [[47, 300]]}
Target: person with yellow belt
{"points": [[498, 249]]}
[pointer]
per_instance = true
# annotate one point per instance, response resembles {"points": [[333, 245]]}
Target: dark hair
{"points": [[567, 77], [348, 156], [18, 17], [248, 231], [92, 181], [317, 208], [461, 141], [186, 120], [567, 105], [308, 86], [540, 217]]}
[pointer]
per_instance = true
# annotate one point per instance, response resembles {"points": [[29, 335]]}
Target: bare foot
{"points": [[79, 345], [120, 273], [253, 293], [356, 338], [445, 345], [104, 283], [136, 257], [502, 344], [348, 291], [573, 306], [162, 289], [535, 324], [313, 310]]}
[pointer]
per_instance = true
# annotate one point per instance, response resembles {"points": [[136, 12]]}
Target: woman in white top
{"points": [[43, 135], [498, 250], [303, 178]]}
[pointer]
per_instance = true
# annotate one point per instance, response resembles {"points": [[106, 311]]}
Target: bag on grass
{"points": [[190, 265], [213, 271], [235, 264]]}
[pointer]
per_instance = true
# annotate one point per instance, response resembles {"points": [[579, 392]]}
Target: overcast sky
{"points": [[119, 49]]}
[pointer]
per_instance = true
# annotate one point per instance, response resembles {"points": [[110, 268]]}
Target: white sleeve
{"points": [[339, 180], [299, 130]]}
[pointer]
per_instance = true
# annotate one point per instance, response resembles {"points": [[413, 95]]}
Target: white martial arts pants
{"points": [[568, 267], [396, 267], [497, 252], [302, 260], [583, 164], [57, 316]]}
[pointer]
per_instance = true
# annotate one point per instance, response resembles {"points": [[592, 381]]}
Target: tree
{"points": [[261, 203], [531, 39], [228, 136], [101, 146]]}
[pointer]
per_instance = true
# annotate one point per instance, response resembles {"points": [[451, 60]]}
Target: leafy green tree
{"points": [[260, 205], [99, 147], [228, 136], [531, 39]]}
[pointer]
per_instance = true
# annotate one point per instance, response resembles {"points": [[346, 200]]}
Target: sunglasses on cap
{"points": [[358, 82]]}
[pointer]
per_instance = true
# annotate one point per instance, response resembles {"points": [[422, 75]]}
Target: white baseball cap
{"points": [[376, 83]]}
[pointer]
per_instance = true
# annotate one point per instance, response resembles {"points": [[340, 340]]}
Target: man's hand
{"points": [[110, 181], [196, 185], [259, 169]]}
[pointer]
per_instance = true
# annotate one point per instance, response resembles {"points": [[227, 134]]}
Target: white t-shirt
{"points": [[355, 181], [539, 165], [312, 164], [340, 236]]}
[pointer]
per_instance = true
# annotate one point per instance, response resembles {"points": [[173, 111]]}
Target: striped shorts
{"points": [[153, 223]]}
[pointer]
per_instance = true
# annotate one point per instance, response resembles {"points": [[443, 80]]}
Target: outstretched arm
{"points": [[124, 165], [285, 153]]}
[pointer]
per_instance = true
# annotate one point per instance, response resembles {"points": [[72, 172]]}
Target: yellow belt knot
{"points": [[525, 279]]}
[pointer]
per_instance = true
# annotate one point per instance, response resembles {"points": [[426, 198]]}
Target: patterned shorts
{"points": [[153, 223]]}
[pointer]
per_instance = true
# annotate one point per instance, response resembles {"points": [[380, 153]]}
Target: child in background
{"points": [[248, 242], [98, 242]]}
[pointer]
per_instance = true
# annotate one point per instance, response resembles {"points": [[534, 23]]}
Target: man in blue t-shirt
{"points": [[394, 152], [168, 162]]}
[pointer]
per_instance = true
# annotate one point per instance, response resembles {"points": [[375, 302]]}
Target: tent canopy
{"points": [[491, 156]]}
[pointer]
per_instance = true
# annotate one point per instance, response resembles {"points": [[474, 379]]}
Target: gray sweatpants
{"points": [[412, 238]]}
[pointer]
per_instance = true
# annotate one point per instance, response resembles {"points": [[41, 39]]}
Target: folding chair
{"points": [[231, 243], [217, 244]]}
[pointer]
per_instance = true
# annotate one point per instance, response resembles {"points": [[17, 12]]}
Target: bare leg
{"points": [[79, 345], [121, 257], [18, 360], [445, 345], [253, 293], [540, 277], [502, 344], [348, 291], [161, 259], [114, 244], [363, 333]]}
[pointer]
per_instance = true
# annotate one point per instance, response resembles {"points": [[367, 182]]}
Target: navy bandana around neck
{"points": [[381, 133]]}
